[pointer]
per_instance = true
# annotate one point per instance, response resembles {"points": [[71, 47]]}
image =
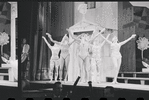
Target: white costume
{"points": [[84, 65], [115, 50], [55, 58], [96, 62], [64, 57], [54, 61]]}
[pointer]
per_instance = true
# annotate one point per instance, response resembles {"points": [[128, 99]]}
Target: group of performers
{"points": [[88, 53]]}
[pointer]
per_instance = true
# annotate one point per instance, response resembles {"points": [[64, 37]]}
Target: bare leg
{"points": [[51, 70], [87, 68], [115, 62], [98, 64], [66, 65], [61, 68], [118, 68], [56, 71], [93, 70], [92, 66], [80, 61]]}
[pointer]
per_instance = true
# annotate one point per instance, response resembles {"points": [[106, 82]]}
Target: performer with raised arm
{"points": [[83, 54], [115, 52], [83, 58], [64, 56], [96, 63], [54, 61]]}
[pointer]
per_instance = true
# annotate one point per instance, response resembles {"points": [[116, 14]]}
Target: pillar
{"points": [[13, 30]]}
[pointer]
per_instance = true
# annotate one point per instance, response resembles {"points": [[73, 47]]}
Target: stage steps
{"points": [[132, 78], [7, 68], [4, 73], [134, 74]]}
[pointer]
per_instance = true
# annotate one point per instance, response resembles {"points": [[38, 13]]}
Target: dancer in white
{"points": [[64, 56], [83, 54], [96, 59], [54, 61], [115, 53]]}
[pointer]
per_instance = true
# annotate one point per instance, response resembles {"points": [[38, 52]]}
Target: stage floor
{"points": [[8, 83], [101, 85]]}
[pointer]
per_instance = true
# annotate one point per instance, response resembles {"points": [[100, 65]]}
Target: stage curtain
{"points": [[51, 17], [40, 53], [62, 17]]}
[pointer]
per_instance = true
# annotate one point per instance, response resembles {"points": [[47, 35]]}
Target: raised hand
{"points": [[48, 34], [102, 31], [43, 37], [68, 30], [133, 36], [65, 34]]}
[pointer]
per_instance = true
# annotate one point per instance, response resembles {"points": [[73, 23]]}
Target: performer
{"points": [[83, 54], [115, 52], [54, 61], [64, 56], [96, 59], [24, 58]]}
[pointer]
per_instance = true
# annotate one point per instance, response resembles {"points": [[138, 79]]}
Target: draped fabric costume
{"points": [[96, 63], [25, 59], [73, 68]]}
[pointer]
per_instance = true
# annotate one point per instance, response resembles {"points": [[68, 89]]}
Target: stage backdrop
{"points": [[141, 20], [5, 14], [132, 20], [104, 14], [126, 28]]}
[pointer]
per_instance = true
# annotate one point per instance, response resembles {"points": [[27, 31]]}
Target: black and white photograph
{"points": [[77, 50], [85, 50]]}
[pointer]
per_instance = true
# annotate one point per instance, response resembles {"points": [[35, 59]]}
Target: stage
{"points": [[100, 85], [121, 90]]}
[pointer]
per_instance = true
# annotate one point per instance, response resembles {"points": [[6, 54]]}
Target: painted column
{"points": [[14, 67], [13, 30]]}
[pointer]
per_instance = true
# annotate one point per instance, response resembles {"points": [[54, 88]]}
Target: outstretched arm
{"points": [[125, 41], [46, 42], [49, 35], [104, 40], [73, 36], [97, 34], [73, 41]]}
